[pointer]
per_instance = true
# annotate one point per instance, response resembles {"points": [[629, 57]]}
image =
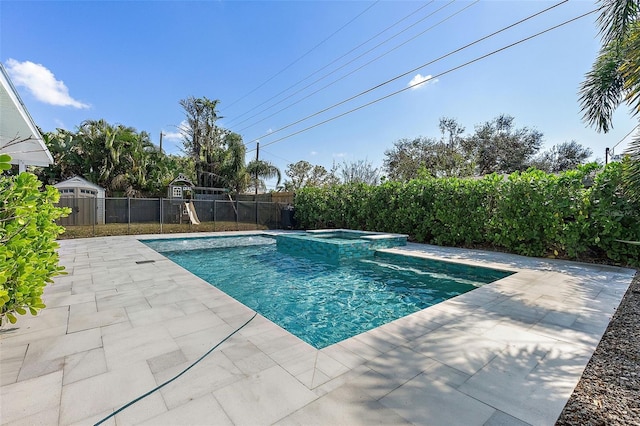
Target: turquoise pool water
{"points": [[320, 302]]}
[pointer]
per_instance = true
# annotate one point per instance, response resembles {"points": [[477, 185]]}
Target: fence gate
{"points": [[82, 211]]}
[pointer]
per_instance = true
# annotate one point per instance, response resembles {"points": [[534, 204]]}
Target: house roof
{"points": [[19, 136], [76, 182]]}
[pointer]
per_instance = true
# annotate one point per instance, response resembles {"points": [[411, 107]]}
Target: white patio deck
{"points": [[510, 352]]}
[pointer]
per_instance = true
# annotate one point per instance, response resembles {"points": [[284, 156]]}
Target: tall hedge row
{"points": [[579, 214]]}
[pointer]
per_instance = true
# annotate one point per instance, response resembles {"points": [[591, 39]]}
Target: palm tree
{"points": [[203, 139], [615, 78], [233, 170], [260, 170]]}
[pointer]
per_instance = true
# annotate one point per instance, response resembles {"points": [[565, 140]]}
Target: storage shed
{"points": [[85, 199]]}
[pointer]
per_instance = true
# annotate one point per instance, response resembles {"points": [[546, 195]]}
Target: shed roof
{"points": [[19, 136], [78, 182]]}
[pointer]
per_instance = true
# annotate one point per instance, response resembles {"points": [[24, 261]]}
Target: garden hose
{"points": [[175, 377]]}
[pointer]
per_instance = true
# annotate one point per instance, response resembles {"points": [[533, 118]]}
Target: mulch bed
{"points": [[609, 390]]}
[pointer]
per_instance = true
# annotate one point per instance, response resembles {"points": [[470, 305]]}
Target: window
{"points": [[177, 192], [89, 191]]}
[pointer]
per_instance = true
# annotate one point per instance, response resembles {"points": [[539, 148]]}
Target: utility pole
{"points": [[257, 159], [161, 142], [606, 156], [256, 181]]}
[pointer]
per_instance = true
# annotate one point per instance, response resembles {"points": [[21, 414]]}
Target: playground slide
{"points": [[192, 213]]}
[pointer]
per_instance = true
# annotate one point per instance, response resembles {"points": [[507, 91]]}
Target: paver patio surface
{"points": [[126, 319]]}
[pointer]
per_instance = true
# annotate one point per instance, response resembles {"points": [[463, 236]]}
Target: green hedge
{"points": [[28, 257], [531, 213]]}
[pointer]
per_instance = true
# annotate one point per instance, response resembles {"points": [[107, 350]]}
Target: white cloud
{"points": [[339, 155], [269, 131], [314, 153], [41, 83], [416, 82], [171, 136], [175, 135]]}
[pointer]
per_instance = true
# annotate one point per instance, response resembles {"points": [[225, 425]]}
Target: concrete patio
{"points": [[115, 327]]}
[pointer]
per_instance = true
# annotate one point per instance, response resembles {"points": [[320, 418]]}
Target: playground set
{"points": [[182, 191]]}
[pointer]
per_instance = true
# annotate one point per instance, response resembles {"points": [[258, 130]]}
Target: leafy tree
{"points": [[201, 133], [116, 157], [218, 154], [139, 154], [499, 147], [162, 169], [359, 172], [67, 157], [408, 157], [451, 131], [102, 147], [561, 157], [614, 78], [495, 146], [125, 161], [304, 174], [202, 139], [453, 156], [420, 157]]}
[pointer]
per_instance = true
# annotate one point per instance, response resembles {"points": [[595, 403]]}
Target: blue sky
{"points": [[132, 62]]}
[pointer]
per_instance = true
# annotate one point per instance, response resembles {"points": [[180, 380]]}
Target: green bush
{"points": [[614, 217], [28, 257], [531, 213], [538, 214]]}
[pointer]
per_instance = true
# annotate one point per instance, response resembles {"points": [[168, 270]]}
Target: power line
{"points": [[304, 55], [438, 75], [277, 156], [625, 136], [337, 59], [410, 71], [355, 70]]}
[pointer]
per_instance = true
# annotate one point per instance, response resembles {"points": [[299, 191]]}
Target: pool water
{"points": [[320, 302]]}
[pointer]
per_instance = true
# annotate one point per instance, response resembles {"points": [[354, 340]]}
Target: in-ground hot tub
{"points": [[337, 244]]}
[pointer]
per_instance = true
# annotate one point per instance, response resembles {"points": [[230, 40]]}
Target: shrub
{"points": [[614, 217], [28, 257], [532, 213]]}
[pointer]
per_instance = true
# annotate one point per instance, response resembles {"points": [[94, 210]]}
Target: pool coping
{"points": [[511, 351]]}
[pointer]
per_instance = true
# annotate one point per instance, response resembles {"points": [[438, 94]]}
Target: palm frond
{"points": [[603, 89], [635, 243], [630, 68], [615, 18], [264, 169]]}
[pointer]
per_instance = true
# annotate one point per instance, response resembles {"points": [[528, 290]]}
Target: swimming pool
{"points": [[322, 302]]}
